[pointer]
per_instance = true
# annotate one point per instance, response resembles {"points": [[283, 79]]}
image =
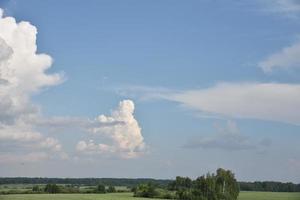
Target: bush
{"points": [[162, 193], [145, 190]]}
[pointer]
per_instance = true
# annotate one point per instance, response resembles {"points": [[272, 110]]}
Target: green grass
{"points": [[128, 196], [23, 188], [269, 196], [112, 196]]}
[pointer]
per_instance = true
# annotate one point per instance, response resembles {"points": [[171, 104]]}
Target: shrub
{"points": [[145, 190]]}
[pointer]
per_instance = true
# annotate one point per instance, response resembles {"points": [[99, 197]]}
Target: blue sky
{"points": [[213, 83]]}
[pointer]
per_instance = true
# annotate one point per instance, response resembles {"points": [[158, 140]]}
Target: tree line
{"points": [[68, 189], [269, 186], [53, 188], [219, 186], [128, 182]]}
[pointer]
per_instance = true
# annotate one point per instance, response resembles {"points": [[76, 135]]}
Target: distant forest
{"points": [[270, 186], [129, 182]]}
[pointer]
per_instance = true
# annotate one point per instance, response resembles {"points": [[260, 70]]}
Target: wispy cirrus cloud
{"points": [[264, 101], [287, 8], [286, 58]]}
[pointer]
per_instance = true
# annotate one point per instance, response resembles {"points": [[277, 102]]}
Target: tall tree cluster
{"points": [[219, 186]]}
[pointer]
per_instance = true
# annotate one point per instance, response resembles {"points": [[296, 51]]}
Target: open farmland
{"points": [[114, 196], [269, 196], [128, 196]]}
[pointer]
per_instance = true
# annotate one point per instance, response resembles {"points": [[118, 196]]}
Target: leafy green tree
{"points": [[36, 188], [100, 189], [180, 183], [219, 186], [52, 188], [111, 189], [227, 186], [145, 190]]}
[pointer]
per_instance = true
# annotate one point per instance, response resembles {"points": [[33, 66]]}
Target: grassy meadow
{"points": [[112, 196], [269, 196], [129, 196]]}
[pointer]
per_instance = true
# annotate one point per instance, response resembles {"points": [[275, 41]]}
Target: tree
{"points": [[36, 188], [180, 183], [227, 186], [52, 188], [100, 188], [111, 189], [145, 190], [219, 186]]}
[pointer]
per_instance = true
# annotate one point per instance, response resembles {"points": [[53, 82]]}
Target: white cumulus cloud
{"points": [[24, 131], [22, 74], [18, 133], [51, 143], [125, 135]]}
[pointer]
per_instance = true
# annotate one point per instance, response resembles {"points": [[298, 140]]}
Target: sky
{"points": [[150, 88]]}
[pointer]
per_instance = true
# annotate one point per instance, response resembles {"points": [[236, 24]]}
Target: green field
{"points": [[269, 196], [128, 196]]}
